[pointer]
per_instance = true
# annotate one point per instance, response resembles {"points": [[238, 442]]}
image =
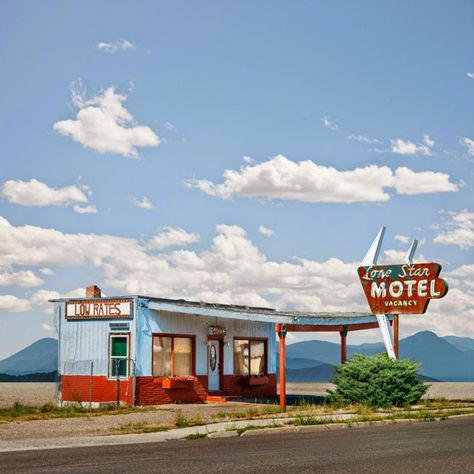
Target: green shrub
{"points": [[377, 382]]}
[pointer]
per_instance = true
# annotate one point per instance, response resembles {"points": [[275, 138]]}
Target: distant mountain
{"points": [[320, 373], [300, 363], [461, 343], [439, 359], [39, 357], [42, 377]]}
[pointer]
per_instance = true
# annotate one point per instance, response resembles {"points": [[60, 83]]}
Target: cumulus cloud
{"points": [[231, 270], [458, 230], [14, 304], [116, 46], [410, 182], [470, 75], [172, 237], [329, 123], [24, 278], [402, 238], [469, 144], [265, 231], [46, 271], [90, 209], [406, 147], [46, 327], [103, 124], [37, 193], [364, 139], [281, 178], [40, 299], [143, 203]]}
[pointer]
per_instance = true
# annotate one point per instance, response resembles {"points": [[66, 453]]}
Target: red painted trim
{"points": [[324, 328], [282, 371], [396, 336]]}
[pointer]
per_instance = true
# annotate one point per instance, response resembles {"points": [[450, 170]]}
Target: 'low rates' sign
{"points": [[402, 289]]}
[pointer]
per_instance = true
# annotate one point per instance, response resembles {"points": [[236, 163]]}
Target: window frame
{"points": [[173, 336], [249, 340], [111, 357]]}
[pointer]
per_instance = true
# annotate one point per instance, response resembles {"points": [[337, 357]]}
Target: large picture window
{"points": [[250, 356], [172, 356], [118, 355]]}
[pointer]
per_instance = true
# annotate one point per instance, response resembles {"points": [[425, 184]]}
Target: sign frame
{"points": [[95, 309]]}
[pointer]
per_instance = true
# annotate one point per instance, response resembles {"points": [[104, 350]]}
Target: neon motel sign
{"points": [[402, 289]]}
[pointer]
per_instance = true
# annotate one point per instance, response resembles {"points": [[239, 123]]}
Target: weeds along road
{"points": [[429, 447]]}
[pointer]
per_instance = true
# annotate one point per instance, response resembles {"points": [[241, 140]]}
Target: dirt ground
{"points": [[40, 393]]}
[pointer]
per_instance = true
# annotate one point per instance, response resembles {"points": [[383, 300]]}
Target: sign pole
{"points": [[396, 335], [281, 335]]}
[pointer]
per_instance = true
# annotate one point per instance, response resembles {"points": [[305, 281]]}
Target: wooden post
{"points": [[281, 336], [343, 334], [395, 335]]}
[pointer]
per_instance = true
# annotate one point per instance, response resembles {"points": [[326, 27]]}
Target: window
{"points": [[250, 356], [172, 356], [118, 355]]}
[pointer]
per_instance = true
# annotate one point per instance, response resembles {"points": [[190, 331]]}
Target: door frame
{"points": [[220, 339]]}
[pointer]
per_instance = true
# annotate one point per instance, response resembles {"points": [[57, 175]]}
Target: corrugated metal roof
{"points": [[244, 312]]}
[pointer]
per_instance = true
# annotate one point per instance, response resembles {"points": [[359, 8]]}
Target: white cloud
{"points": [[14, 304], [40, 299], [46, 271], [105, 125], [469, 144], [406, 147], [231, 270], [172, 237], [248, 160], [143, 203], [329, 123], [90, 209], [459, 230], [115, 46], [410, 182], [395, 257], [265, 231], [37, 193], [24, 278], [428, 141], [402, 238], [46, 327], [470, 75], [170, 127], [364, 139], [281, 178]]}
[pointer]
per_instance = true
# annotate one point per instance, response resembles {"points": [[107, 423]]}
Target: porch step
{"points": [[221, 398]]}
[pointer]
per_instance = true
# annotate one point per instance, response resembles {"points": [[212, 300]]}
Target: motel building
{"points": [[147, 350]]}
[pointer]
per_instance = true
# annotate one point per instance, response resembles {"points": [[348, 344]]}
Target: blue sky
{"points": [[334, 118]]}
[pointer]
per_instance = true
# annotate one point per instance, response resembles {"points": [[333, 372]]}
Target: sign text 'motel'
{"points": [[402, 289], [104, 309]]}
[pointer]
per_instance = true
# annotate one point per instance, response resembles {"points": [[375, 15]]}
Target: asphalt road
{"points": [[430, 447]]}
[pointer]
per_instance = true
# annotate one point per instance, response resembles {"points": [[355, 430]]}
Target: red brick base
{"points": [[150, 391]]}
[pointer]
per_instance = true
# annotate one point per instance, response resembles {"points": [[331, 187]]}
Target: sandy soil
{"points": [[446, 390], [39, 393], [27, 393]]}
